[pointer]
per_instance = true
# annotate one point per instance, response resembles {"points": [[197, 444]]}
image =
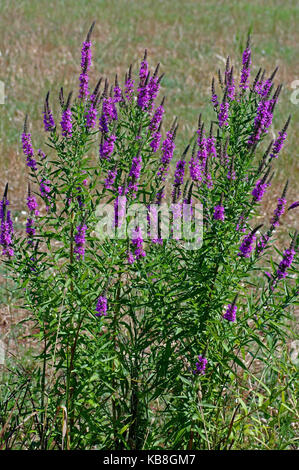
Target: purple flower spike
{"points": [[143, 98], [101, 307], [86, 55], [230, 314], [247, 244], [107, 146], [219, 213], [109, 114], [28, 151], [157, 118], [259, 190], [155, 142], [245, 74], [49, 123], [6, 229], [79, 249], [178, 178], [168, 147], [223, 114], [32, 204], [285, 263], [143, 69], [30, 230], [129, 89], [292, 206], [134, 175], [137, 241], [278, 212], [66, 123], [200, 365], [85, 66], [109, 181], [262, 121], [279, 142], [91, 117]]}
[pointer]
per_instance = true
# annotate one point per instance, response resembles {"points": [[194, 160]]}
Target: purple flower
{"points": [[168, 147], [45, 189], [245, 73], [210, 146], [109, 114], [285, 263], [262, 243], [129, 89], [259, 189], [143, 69], [66, 123], [230, 313], [223, 114], [130, 257], [278, 211], [137, 241], [83, 85], [200, 365], [85, 66], [117, 94], [247, 245], [30, 230], [219, 213], [32, 204], [41, 154], [3, 204], [143, 99], [153, 88], [262, 121], [28, 151], [134, 174], [263, 87], [214, 98], [292, 206], [278, 144], [156, 119], [79, 249], [6, 231], [107, 146], [195, 169], [241, 225], [101, 307], [155, 142], [109, 181], [91, 117], [49, 123], [178, 177], [86, 55]]}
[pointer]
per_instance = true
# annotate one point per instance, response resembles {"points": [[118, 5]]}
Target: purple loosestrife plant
{"points": [[112, 376]]}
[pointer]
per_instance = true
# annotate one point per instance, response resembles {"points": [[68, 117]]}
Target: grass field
{"points": [[40, 50]]}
